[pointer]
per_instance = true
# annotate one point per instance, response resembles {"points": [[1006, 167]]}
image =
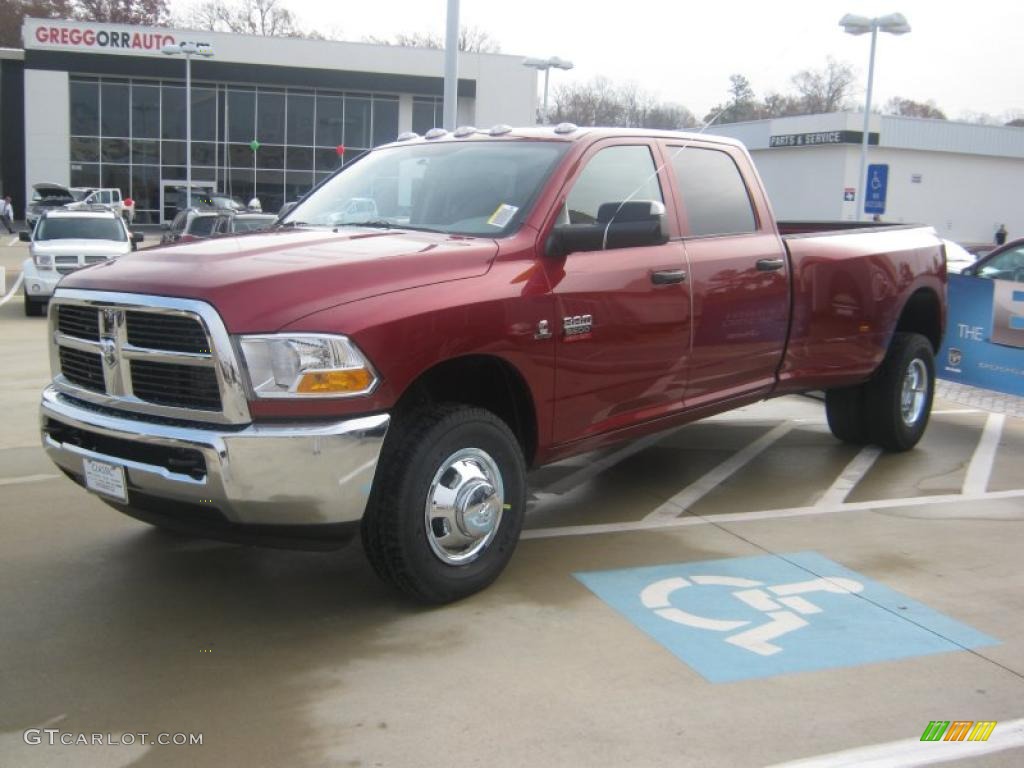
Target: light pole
{"points": [[546, 65], [894, 24], [188, 50]]}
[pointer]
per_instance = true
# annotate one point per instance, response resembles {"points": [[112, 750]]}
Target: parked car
{"points": [[191, 224], [517, 299], [1005, 262], [110, 197], [64, 241], [46, 196]]}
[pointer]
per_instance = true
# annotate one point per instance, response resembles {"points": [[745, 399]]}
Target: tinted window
{"points": [[252, 224], [713, 193], [613, 175], [202, 225], [79, 229], [85, 108], [1008, 265]]}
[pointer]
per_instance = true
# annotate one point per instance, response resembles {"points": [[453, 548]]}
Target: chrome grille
{"points": [[168, 358]]}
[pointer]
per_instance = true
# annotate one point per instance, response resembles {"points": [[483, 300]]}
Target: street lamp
{"points": [[894, 24], [546, 65], [188, 50]]}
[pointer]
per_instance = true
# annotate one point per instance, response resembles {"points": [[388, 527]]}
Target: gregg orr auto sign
{"points": [[91, 38]]}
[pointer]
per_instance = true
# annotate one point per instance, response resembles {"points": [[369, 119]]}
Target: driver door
{"points": [[622, 318]]}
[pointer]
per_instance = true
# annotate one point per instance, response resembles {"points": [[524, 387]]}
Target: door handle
{"points": [[668, 276], [770, 265]]}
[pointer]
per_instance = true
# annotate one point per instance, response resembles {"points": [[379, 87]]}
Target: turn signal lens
{"points": [[335, 382]]}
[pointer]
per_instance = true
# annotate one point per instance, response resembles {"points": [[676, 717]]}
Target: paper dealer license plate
{"points": [[106, 479]]}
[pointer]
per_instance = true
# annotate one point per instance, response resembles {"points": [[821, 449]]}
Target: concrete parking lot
{"points": [[899, 577]]}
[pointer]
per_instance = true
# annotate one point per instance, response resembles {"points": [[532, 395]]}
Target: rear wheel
{"points": [[447, 505], [892, 409]]}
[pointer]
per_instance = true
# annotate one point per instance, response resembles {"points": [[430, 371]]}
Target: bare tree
{"points": [[825, 90], [145, 12], [601, 102], [270, 18], [910, 108], [471, 40], [13, 13]]}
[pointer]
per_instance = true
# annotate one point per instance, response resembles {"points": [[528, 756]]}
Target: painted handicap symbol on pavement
{"points": [[761, 616], [757, 639]]}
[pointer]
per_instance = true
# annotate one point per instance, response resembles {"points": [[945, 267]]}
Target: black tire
{"points": [[846, 413], [889, 424], [395, 528], [34, 308]]}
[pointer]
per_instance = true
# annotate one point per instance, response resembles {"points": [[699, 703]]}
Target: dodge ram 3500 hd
{"points": [[513, 298]]}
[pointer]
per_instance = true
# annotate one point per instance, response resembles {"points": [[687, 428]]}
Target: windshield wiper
{"points": [[384, 224], [291, 224]]}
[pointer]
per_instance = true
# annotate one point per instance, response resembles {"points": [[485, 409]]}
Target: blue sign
{"points": [[984, 343], [877, 183], [752, 617]]}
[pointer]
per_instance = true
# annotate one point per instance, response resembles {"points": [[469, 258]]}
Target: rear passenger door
{"points": [[738, 272]]}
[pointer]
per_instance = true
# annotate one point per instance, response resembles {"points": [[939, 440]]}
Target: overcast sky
{"points": [[966, 60]]}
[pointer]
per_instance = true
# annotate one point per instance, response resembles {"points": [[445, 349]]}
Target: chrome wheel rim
{"points": [[464, 506], [915, 392]]}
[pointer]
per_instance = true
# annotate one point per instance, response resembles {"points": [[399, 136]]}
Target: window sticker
{"points": [[502, 215]]}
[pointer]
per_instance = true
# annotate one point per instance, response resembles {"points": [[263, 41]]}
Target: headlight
{"points": [[42, 260], [306, 365]]}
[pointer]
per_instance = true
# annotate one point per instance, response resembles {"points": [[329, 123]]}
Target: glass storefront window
{"points": [[270, 117], [300, 119], [85, 150], [85, 108], [173, 112], [241, 115], [426, 114], [330, 127], [357, 122], [130, 134], [145, 111], [385, 121]]}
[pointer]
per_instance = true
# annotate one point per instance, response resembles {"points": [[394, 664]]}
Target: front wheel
{"points": [[448, 502]]}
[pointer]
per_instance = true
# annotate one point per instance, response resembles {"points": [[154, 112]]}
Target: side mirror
{"points": [[630, 224], [25, 237], [138, 237]]}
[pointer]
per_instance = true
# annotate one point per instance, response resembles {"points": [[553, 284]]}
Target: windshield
{"points": [[80, 229], [473, 188]]}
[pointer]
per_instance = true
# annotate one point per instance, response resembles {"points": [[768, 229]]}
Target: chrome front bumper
{"points": [[301, 474]]}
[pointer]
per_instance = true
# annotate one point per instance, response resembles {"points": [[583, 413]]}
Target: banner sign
{"points": [[984, 344], [820, 137]]}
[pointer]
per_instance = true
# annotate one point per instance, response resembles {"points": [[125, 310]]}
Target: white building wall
{"points": [[47, 127], [795, 179]]}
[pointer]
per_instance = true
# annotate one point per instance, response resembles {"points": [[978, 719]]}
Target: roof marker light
{"points": [[407, 135], [464, 130], [500, 130], [566, 128], [435, 133]]}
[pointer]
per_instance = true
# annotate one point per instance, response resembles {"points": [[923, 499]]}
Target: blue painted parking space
{"points": [[754, 617]]}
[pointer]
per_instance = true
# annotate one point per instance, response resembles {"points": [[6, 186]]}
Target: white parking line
{"points": [[852, 474], [14, 241], [980, 468], [14, 288], [26, 479], [768, 514], [683, 500], [909, 753]]}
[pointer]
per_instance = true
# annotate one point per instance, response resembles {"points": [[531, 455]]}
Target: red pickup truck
{"points": [[451, 310]]}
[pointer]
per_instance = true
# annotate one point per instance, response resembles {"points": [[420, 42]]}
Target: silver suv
{"points": [[63, 241]]}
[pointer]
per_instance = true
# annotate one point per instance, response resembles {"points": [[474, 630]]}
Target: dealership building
{"points": [[100, 105], [963, 179]]}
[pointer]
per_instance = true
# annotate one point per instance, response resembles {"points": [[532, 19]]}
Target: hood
{"points": [[90, 247], [48, 189], [261, 282]]}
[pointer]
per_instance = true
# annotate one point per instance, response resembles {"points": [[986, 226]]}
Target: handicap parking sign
{"points": [[761, 616]]}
